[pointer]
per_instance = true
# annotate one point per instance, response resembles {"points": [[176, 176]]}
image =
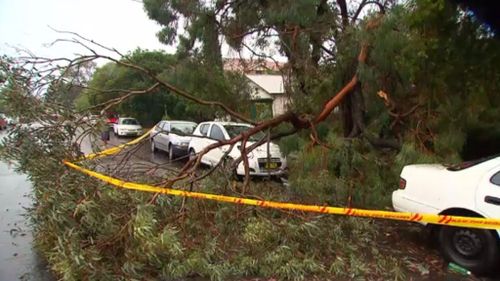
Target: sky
{"points": [[121, 24]]}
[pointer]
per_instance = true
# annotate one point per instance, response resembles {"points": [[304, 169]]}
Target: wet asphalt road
{"points": [[139, 155]]}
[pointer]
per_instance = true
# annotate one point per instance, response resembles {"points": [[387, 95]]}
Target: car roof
{"points": [[178, 121], [227, 123]]}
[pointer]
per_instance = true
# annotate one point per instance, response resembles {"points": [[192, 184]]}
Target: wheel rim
{"points": [[467, 242]]}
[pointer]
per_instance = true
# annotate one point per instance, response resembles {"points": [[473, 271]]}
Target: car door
{"points": [[216, 134], [199, 143], [155, 133], [488, 194], [163, 136]]}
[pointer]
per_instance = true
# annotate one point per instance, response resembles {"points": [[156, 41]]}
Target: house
{"points": [[266, 84], [269, 88]]}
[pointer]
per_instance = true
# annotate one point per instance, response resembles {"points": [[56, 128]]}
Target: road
{"points": [[133, 162]]}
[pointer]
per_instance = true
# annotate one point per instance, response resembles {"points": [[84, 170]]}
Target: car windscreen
{"points": [[234, 130], [130, 122], [182, 128]]}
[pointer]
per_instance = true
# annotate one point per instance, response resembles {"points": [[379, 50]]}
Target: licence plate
{"points": [[271, 165]]}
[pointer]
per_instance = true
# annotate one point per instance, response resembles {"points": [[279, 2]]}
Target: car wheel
{"points": [[171, 155], [153, 146], [472, 248]]}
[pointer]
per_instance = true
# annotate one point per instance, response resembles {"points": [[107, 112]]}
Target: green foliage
{"points": [[349, 173]]}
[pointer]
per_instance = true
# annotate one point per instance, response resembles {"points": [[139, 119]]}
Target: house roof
{"points": [[251, 65], [272, 84]]}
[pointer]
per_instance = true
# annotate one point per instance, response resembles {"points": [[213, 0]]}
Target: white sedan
{"points": [[126, 126], [261, 163], [172, 137], [470, 189]]}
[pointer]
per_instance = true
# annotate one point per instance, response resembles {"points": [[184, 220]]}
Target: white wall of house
{"points": [[280, 104]]}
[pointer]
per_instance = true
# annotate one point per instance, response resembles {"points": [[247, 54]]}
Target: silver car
{"points": [[172, 137]]}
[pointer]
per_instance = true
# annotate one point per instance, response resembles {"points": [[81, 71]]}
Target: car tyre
{"points": [[153, 146], [472, 248], [171, 154]]}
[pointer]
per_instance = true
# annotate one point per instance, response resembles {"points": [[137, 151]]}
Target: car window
{"points": [[216, 133], [234, 130], [160, 125], [130, 121], [183, 128], [204, 129], [495, 179]]}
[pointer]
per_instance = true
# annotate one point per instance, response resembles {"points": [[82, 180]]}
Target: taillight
{"points": [[402, 183]]}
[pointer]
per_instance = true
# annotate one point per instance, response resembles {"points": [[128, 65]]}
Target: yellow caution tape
{"points": [[116, 149], [413, 217]]}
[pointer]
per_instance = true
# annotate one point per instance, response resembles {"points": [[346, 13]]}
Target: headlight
{"points": [[180, 143]]}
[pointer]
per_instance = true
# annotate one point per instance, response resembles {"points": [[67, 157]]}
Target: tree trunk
{"points": [[212, 50]]}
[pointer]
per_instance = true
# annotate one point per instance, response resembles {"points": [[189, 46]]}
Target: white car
{"points": [[470, 189], [126, 126], [260, 163], [172, 137]]}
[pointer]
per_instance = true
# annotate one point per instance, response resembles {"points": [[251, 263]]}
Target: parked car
{"points": [[470, 189], [126, 126], [260, 163], [172, 137]]}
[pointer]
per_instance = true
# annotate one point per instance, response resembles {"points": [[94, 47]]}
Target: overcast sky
{"points": [[121, 24]]}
